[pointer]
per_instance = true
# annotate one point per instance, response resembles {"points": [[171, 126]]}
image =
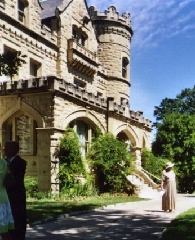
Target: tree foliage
{"points": [[10, 62], [175, 137], [152, 164], [110, 161], [183, 103], [71, 163]]}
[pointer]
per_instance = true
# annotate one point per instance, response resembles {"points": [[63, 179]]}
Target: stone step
{"points": [[145, 191]]}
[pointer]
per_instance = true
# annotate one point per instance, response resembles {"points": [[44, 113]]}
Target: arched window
{"points": [[86, 134], [22, 129]]}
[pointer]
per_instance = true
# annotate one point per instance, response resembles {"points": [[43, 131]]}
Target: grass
{"points": [[42, 209], [182, 227]]}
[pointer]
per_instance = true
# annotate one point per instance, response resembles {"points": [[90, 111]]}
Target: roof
{"points": [[49, 7]]}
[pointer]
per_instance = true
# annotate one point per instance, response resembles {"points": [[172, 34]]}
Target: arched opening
{"points": [[86, 131], [123, 137], [21, 128]]}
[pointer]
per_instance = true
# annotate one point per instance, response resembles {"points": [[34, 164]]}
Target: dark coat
{"points": [[17, 197]]}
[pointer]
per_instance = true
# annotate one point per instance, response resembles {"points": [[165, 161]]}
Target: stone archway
{"points": [[126, 133], [21, 106], [86, 131], [19, 113], [87, 115]]}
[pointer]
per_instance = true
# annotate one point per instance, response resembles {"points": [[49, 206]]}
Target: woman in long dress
{"points": [[6, 218], [169, 186]]}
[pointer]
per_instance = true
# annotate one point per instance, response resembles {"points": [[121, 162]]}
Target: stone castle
{"points": [[77, 74]]}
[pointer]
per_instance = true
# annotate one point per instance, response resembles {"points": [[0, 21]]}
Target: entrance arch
{"points": [[126, 133], [86, 131]]}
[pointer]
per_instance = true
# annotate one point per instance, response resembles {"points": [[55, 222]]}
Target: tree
{"points": [[10, 62], [183, 103], [110, 161], [175, 137]]}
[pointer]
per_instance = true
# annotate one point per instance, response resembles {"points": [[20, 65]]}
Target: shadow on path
{"points": [[101, 224], [133, 221]]}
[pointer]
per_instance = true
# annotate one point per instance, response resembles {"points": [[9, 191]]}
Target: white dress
{"points": [[169, 185], [6, 218]]}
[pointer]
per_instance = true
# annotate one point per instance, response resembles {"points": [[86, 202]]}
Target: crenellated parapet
{"points": [[111, 14], [52, 83]]}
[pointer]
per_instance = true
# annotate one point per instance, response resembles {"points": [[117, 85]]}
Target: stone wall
{"points": [[52, 98]]}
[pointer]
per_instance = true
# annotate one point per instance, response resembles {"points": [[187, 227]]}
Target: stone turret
{"points": [[114, 35]]}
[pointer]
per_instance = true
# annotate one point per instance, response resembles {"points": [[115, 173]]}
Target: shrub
{"points": [[31, 185], [72, 168], [153, 164], [109, 161]]}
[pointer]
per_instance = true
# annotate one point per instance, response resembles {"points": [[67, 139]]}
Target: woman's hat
{"points": [[169, 165]]}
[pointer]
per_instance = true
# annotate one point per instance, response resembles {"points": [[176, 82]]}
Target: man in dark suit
{"points": [[17, 192]]}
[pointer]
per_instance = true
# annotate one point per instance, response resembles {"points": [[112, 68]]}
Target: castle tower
{"points": [[114, 34]]}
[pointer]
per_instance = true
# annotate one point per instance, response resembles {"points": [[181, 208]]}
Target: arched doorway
{"points": [[87, 132]]}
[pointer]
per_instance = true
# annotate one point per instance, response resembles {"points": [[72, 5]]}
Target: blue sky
{"points": [[162, 49]]}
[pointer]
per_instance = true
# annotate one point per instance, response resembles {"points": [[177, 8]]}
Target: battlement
{"points": [[111, 14], [50, 83]]}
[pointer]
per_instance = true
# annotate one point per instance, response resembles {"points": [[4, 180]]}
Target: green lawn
{"points": [[42, 209], [182, 227]]}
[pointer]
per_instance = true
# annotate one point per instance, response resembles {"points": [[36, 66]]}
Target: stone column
{"points": [[44, 161], [48, 165], [54, 140], [137, 152]]}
